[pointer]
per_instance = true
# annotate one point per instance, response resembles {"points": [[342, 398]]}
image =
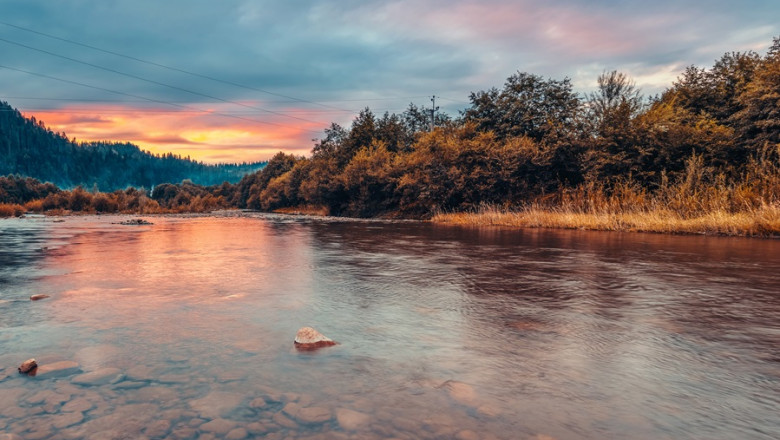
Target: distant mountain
{"points": [[28, 148]]}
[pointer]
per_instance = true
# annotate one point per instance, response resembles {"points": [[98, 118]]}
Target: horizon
{"points": [[258, 79]]}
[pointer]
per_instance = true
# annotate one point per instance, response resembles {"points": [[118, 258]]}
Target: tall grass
{"points": [[698, 202]]}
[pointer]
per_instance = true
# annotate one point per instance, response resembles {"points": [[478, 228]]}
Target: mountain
{"points": [[28, 148]]}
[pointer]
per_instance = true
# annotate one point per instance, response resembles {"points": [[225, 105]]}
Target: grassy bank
{"points": [[762, 222]]}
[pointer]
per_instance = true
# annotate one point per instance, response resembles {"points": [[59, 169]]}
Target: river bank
{"points": [[763, 222]]}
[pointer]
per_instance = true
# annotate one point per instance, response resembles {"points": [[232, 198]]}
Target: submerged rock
{"points": [[351, 420], [99, 377], [57, 368], [308, 339], [135, 222], [38, 297], [28, 366]]}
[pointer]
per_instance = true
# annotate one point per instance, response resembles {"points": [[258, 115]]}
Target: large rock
{"points": [[309, 339], [28, 366], [38, 297]]}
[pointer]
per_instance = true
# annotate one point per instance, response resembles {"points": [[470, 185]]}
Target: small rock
{"points": [[135, 222], [38, 297], [257, 403], [237, 434], [28, 366], [158, 429], [218, 426], [99, 377], [309, 339], [351, 420], [256, 428]]}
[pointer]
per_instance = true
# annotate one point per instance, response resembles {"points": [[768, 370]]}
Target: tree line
{"points": [[29, 148], [711, 141]]}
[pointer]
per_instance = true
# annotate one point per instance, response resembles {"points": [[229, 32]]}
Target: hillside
{"points": [[28, 148]]}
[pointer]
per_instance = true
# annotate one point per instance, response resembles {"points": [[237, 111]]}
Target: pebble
{"points": [[158, 429], [218, 426], [237, 434], [39, 297], [257, 403]]}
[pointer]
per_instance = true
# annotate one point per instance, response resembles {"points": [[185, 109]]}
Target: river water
{"points": [[183, 329]]}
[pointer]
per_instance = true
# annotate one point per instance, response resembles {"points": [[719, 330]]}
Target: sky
{"points": [[239, 80]]}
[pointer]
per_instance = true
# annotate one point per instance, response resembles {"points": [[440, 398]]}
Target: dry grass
{"points": [[762, 222], [304, 210], [11, 210]]}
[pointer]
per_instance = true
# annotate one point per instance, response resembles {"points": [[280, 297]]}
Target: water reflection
{"points": [[184, 330]]}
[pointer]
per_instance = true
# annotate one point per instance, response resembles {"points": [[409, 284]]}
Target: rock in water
{"points": [[38, 296], [28, 366], [309, 339]]}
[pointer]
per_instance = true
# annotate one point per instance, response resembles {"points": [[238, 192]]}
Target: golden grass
{"points": [[304, 210], [761, 222], [11, 210]]}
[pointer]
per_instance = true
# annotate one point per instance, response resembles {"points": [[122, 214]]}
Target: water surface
{"points": [[444, 332]]}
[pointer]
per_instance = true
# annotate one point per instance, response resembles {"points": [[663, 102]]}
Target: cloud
{"points": [[330, 55]]}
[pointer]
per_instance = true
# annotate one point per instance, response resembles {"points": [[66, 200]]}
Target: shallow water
{"points": [[444, 332]]}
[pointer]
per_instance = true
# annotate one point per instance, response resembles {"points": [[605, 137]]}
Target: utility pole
{"points": [[433, 112]]}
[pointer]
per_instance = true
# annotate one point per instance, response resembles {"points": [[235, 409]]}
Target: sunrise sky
{"points": [[232, 81]]}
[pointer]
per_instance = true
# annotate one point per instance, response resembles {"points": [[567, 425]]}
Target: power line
{"points": [[145, 98], [175, 69], [151, 81]]}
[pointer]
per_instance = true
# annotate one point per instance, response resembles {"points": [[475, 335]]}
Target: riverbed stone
{"points": [[308, 338], [467, 434], [38, 297], [461, 392], [313, 415], [218, 426], [102, 376], [158, 429], [48, 397], [55, 369], [257, 403], [256, 428], [352, 420], [67, 419], [10, 437], [284, 421], [28, 366], [237, 434], [78, 405], [217, 404]]}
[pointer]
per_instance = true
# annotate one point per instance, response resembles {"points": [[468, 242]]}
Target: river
{"points": [[183, 329]]}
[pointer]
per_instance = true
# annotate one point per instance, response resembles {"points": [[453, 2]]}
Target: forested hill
{"points": [[28, 148]]}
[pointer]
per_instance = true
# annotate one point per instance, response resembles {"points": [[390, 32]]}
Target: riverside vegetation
{"points": [[703, 157]]}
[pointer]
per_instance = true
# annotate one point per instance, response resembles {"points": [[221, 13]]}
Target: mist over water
{"points": [[444, 332]]}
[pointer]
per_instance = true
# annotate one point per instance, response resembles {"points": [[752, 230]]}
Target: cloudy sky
{"points": [[238, 80]]}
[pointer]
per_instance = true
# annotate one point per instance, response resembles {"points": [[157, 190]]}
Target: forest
{"points": [[707, 147], [28, 148]]}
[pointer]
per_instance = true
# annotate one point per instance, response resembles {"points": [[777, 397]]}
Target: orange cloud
{"points": [[218, 135]]}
